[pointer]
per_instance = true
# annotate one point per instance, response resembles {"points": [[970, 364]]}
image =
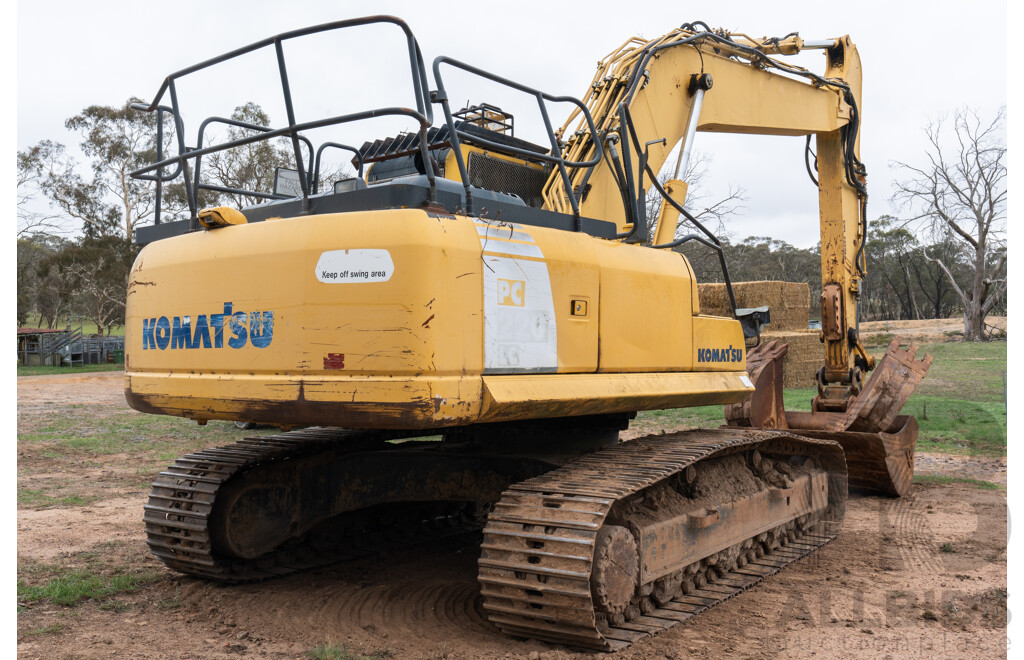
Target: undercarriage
{"points": [[595, 548]]}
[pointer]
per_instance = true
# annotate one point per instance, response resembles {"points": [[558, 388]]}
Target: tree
{"points": [[34, 166], [710, 215], [960, 195], [117, 140], [54, 290], [252, 166], [890, 251], [933, 283], [86, 278], [32, 288]]}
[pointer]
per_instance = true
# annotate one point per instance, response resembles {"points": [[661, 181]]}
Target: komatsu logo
{"points": [[207, 331], [728, 354]]}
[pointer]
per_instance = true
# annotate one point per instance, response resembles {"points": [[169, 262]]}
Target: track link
{"points": [[538, 548], [178, 515]]}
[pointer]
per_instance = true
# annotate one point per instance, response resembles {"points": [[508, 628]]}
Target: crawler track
{"points": [[538, 550], [178, 516]]}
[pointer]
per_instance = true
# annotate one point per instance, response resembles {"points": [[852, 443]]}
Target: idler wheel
{"points": [[616, 569]]}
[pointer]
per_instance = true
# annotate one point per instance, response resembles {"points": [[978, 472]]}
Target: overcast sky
{"points": [[922, 60]]}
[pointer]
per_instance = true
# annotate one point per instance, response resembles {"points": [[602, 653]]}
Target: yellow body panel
{"points": [[405, 319]]}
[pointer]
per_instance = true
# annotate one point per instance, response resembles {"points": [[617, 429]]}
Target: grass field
{"points": [[88, 327], [47, 370], [959, 405]]}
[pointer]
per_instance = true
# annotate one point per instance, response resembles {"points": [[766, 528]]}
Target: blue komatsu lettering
{"points": [[190, 331], [238, 323], [148, 340], [181, 332], [202, 333], [163, 332], [261, 329]]}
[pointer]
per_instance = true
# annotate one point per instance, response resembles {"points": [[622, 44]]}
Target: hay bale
{"points": [[789, 302], [805, 356]]}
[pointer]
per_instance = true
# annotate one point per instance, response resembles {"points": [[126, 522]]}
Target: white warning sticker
{"points": [[745, 380], [354, 266], [520, 333]]}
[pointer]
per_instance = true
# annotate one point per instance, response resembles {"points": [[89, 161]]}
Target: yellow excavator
{"points": [[457, 335]]}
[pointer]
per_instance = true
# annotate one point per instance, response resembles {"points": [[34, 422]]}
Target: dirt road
{"points": [[923, 576], [927, 330]]}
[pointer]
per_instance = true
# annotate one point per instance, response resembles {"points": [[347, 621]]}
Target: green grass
{"points": [[334, 652], [971, 371], [40, 499], [81, 369], [956, 426], [88, 327], [712, 416], [959, 404], [51, 629], [73, 586], [170, 603], [127, 431], [945, 480]]}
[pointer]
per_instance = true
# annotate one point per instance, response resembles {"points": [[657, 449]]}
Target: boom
{"points": [[647, 97]]}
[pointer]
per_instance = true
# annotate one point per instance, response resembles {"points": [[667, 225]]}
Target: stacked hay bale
{"points": [[789, 304]]}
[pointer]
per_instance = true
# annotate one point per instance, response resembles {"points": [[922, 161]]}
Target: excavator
{"points": [[456, 335]]}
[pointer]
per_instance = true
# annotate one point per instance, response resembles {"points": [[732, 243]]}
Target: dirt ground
{"points": [[923, 576], [928, 330]]}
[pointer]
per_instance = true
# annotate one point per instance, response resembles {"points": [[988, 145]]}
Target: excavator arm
{"points": [[648, 97]]}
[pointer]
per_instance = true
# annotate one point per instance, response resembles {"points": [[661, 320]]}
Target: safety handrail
{"points": [[423, 114], [555, 158], [336, 145], [198, 185]]}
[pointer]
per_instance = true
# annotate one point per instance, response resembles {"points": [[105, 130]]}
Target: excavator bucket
{"points": [[764, 409], [878, 441], [887, 390]]}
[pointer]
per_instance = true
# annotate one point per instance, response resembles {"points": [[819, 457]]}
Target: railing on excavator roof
{"points": [[423, 114], [554, 158]]}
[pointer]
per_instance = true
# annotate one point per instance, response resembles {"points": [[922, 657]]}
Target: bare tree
{"points": [[961, 195], [710, 215], [35, 164]]}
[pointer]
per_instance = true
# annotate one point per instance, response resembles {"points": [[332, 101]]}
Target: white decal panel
{"points": [[520, 332], [745, 380], [508, 232], [354, 266]]}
